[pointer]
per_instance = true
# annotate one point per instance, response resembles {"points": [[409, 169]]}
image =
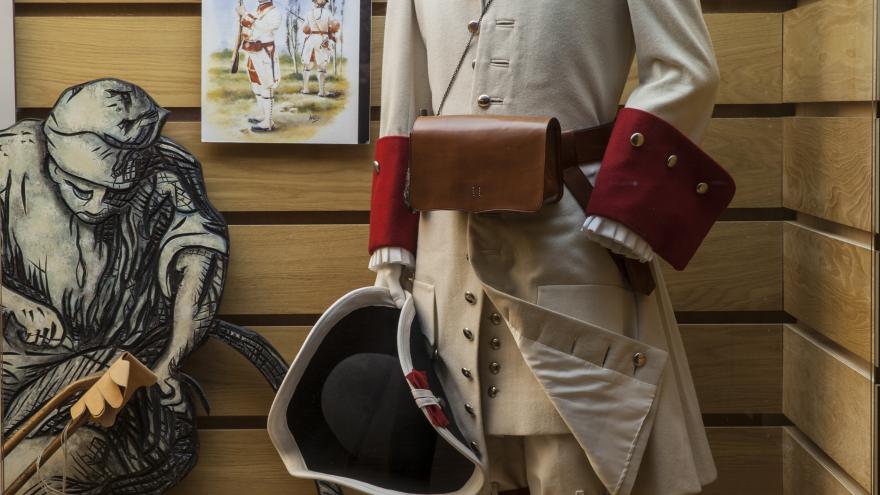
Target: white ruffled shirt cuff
{"points": [[388, 255], [611, 234], [618, 238]]}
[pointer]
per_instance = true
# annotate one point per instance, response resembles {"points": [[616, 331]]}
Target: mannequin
{"points": [[566, 379]]}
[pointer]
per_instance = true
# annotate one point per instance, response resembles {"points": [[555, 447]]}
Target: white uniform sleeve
{"points": [[678, 73], [678, 82], [405, 91]]}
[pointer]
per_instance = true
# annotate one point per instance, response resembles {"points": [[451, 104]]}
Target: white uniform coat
{"points": [[318, 45], [561, 353], [264, 67]]}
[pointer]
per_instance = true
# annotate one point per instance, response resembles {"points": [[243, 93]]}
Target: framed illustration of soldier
{"points": [[286, 71]]}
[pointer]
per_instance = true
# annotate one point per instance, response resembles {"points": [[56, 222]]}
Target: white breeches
{"points": [[317, 51], [264, 70]]}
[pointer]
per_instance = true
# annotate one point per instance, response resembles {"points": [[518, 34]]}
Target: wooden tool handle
{"points": [[38, 417], [50, 449]]}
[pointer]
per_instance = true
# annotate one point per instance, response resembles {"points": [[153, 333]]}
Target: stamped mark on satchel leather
{"points": [[476, 191]]}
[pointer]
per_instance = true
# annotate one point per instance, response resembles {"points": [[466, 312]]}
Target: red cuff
{"points": [[392, 223], [661, 185], [248, 20]]}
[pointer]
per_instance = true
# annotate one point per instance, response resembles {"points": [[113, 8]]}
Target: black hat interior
{"points": [[353, 414]]}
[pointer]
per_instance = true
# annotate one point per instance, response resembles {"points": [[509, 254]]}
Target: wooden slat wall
{"points": [[828, 286], [291, 202], [829, 51], [827, 397], [809, 470], [830, 180]]}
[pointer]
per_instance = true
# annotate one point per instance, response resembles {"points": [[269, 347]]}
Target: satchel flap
{"points": [[481, 163]]}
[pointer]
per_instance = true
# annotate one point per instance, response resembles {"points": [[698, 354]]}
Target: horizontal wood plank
{"points": [[294, 269], [232, 385], [737, 369], [828, 399], [808, 470], [302, 269], [161, 53], [235, 462], [737, 268], [231, 462], [828, 168], [827, 285], [751, 151], [829, 51], [295, 177], [749, 461], [748, 49], [104, 1]]}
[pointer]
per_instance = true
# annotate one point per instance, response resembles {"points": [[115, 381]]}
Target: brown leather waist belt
{"points": [[588, 146], [256, 46]]}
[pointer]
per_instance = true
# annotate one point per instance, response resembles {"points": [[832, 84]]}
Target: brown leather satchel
{"points": [[507, 163], [480, 163]]}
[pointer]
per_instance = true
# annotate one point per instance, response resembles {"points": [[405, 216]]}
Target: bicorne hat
{"points": [[361, 405]]}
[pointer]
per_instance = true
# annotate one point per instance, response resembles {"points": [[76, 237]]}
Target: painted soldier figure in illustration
{"points": [[319, 46], [109, 245], [263, 65]]}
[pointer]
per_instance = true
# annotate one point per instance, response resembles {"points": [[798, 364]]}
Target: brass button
{"points": [[474, 27], [376, 166], [470, 409], [493, 391], [702, 188], [495, 318], [467, 373], [468, 334], [495, 343], [637, 140], [494, 367], [470, 297], [639, 359], [672, 161], [484, 101]]}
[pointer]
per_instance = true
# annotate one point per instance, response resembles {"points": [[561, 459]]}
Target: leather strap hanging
{"points": [[588, 146]]}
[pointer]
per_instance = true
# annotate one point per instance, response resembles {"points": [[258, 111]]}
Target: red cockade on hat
{"points": [[392, 223], [660, 184], [419, 380]]}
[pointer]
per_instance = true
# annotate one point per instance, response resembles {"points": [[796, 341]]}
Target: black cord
{"points": [[461, 60]]}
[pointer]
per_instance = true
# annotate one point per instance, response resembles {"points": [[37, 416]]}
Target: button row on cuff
{"points": [[637, 140]]}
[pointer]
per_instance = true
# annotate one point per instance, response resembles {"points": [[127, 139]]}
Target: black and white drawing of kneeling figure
{"points": [[109, 244]]}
